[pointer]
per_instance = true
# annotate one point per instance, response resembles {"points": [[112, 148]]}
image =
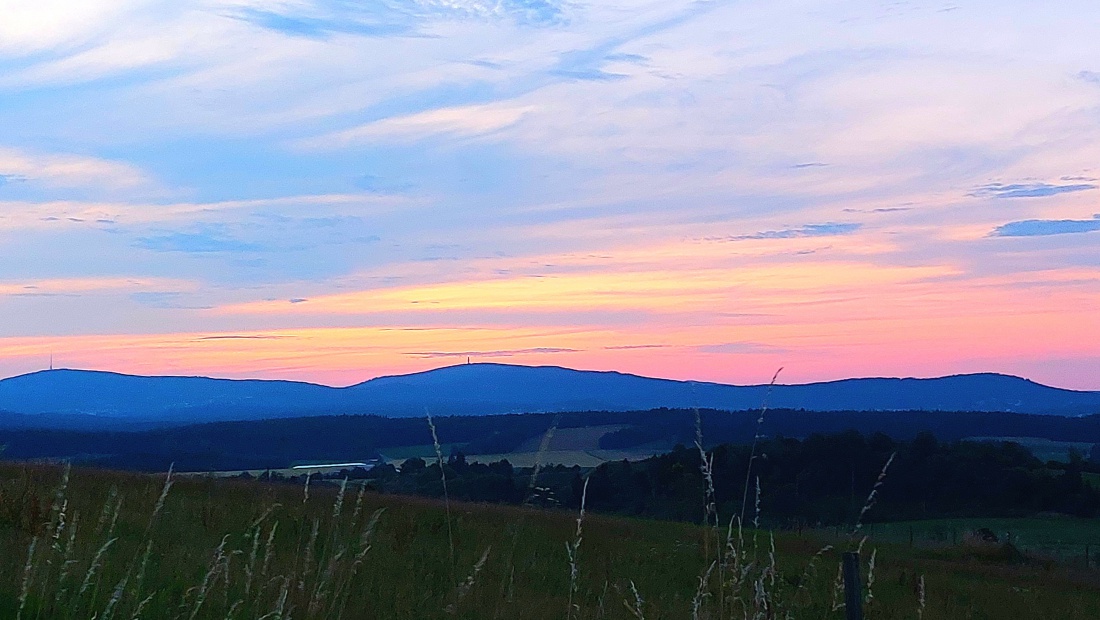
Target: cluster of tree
{"points": [[822, 480], [281, 442], [678, 426]]}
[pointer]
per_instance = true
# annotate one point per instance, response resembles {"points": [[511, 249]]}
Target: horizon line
{"points": [[619, 372]]}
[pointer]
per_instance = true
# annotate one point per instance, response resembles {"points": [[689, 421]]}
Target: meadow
{"points": [[1059, 537], [104, 544]]}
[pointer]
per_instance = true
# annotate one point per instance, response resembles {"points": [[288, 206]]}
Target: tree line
{"points": [[820, 480]]}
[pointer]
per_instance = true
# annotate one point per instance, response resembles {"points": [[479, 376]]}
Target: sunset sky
{"points": [[333, 190]]}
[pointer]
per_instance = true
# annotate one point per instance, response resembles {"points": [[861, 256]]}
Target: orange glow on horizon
{"points": [[698, 310]]}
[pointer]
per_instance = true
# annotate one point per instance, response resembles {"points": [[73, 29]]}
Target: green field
{"points": [[1045, 449], [1062, 538], [565, 446], [209, 557]]}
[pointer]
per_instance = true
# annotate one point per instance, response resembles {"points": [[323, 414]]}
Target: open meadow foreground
{"points": [[101, 544]]}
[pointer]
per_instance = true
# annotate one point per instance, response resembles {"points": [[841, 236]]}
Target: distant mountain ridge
{"points": [[480, 389]]}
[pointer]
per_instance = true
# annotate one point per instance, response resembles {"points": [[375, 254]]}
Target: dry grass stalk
{"points": [[249, 568], [25, 588], [338, 505], [871, 578], [280, 604], [116, 596], [446, 495], [358, 504], [163, 495], [232, 613], [920, 597], [140, 580], [343, 589], [573, 551], [710, 509], [93, 568], [838, 588], [637, 606], [207, 580], [760, 599], [811, 567], [464, 588], [771, 561], [305, 489], [701, 593], [756, 440], [112, 497], [321, 589], [266, 513], [141, 607], [67, 561], [307, 560], [368, 533], [269, 550], [57, 511], [872, 497]]}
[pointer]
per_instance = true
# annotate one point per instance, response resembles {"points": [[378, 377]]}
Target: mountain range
{"points": [[70, 397]]}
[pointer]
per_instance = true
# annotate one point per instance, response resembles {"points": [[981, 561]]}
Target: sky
{"points": [[331, 190]]}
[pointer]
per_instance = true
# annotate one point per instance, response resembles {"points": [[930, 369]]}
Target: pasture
{"points": [[118, 545]]}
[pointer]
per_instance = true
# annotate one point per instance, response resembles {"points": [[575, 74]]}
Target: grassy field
{"points": [[1044, 449], [236, 549], [1062, 538], [565, 446]]}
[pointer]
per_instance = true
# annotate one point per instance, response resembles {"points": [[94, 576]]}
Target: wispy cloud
{"points": [[1042, 228], [70, 171], [809, 230], [323, 18], [78, 286], [1028, 190], [460, 121], [740, 348], [195, 243], [323, 27], [501, 353], [877, 210], [246, 337], [1090, 76], [632, 347], [167, 300]]}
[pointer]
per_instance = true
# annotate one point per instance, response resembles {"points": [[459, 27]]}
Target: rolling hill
{"points": [[65, 397]]}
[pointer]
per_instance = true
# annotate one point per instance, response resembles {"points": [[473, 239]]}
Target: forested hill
{"points": [[259, 444], [482, 389]]}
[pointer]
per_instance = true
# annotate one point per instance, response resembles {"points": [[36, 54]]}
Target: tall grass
{"points": [[179, 548], [105, 572], [443, 480], [749, 586]]}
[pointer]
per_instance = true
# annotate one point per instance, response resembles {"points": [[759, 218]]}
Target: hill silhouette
{"points": [[482, 389]]}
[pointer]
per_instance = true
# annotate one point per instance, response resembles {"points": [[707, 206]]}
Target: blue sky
{"points": [[843, 188]]}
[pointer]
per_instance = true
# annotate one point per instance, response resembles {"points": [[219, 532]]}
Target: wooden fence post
{"points": [[853, 588]]}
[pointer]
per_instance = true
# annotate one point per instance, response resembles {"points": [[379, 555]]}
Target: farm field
{"points": [[1060, 537], [578, 446], [1045, 449], [227, 548]]}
